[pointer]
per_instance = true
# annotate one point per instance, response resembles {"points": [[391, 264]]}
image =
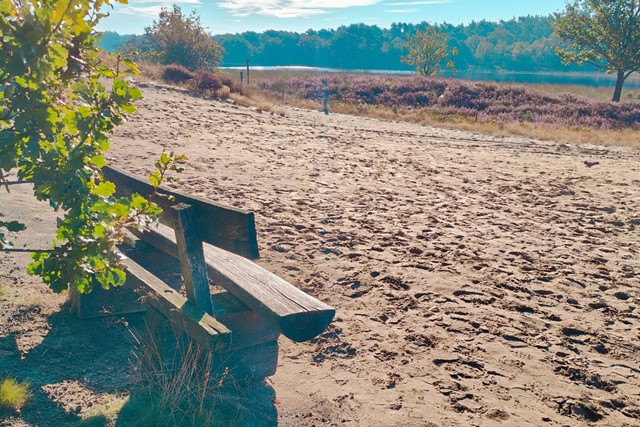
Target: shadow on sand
{"points": [[78, 362]]}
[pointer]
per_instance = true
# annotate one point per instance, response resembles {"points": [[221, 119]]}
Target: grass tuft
{"points": [[14, 395], [179, 391]]}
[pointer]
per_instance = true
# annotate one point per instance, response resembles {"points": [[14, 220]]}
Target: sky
{"points": [[236, 16]]}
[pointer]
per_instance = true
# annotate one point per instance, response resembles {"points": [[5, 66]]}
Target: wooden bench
{"points": [[198, 242]]}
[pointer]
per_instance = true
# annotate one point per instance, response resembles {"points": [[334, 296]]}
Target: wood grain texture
{"points": [[248, 327], [191, 255], [223, 226], [99, 302], [255, 362], [182, 313], [299, 316]]}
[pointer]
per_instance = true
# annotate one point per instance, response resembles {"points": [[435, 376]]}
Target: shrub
{"points": [[13, 395], [206, 82], [226, 81], [416, 99], [223, 92], [174, 73], [484, 101]]}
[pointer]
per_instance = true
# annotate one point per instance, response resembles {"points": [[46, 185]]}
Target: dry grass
{"points": [[178, 392], [103, 415], [598, 93], [149, 72], [13, 394], [277, 75], [252, 97], [565, 135], [256, 102], [561, 134]]}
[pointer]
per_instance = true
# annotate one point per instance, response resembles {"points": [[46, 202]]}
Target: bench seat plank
{"points": [[299, 316], [184, 314]]}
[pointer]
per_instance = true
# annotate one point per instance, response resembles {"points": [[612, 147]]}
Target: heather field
{"points": [[482, 102]]}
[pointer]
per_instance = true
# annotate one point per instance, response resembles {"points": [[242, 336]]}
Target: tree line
{"points": [[588, 35], [521, 44]]}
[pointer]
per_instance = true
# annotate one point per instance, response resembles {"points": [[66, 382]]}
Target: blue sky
{"points": [[234, 16]]}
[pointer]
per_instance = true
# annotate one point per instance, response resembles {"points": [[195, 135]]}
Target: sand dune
{"points": [[478, 280]]}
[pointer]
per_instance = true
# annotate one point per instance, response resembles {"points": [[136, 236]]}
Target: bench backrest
{"points": [[226, 227]]}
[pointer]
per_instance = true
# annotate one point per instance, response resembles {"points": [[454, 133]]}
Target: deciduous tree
{"points": [[604, 33], [427, 51], [177, 38]]}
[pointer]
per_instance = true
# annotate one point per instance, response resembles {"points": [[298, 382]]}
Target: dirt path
{"points": [[478, 280]]}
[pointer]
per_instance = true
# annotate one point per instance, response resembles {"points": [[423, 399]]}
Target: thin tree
{"points": [[427, 51], [604, 33]]}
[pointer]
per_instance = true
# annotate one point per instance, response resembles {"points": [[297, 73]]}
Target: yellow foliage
{"points": [[13, 395]]}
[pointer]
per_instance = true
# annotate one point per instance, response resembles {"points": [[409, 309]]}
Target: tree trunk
{"points": [[618, 92]]}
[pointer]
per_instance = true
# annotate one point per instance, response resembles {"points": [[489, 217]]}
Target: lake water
{"points": [[591, 79]]}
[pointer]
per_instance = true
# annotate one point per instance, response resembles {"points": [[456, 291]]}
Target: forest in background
{"points": [[524, 44]]}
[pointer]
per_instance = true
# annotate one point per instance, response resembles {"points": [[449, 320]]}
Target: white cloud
{"points": [[400, 10], [420, 2], [146, 11], [152, 8], [289, 8], [164, 2]]}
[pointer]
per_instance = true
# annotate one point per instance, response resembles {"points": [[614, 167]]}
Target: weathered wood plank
{"points": [[100, 302], [181, 312], [223, 226], [255, 362], [249, 328], [299, 316], [191, 255]]}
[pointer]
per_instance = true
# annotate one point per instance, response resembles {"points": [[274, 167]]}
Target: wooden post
{"points": [[247, 71], [241, 77], [191, 254]]}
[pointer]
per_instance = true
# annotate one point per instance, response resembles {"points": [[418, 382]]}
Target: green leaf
{"points": [[21, 81], [121, 210], [128, 108], [99, 231], [165, 159], [135, 94], [138, 202], [121, 276], [59, 55], [99, 161], [104, 189], [104, 145], [155, 178]]}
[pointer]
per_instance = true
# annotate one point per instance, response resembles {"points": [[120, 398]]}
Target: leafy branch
{"points": [[56, 116]]}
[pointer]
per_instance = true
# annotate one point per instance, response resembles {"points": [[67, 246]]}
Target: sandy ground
{"points": [[478, 280]]}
